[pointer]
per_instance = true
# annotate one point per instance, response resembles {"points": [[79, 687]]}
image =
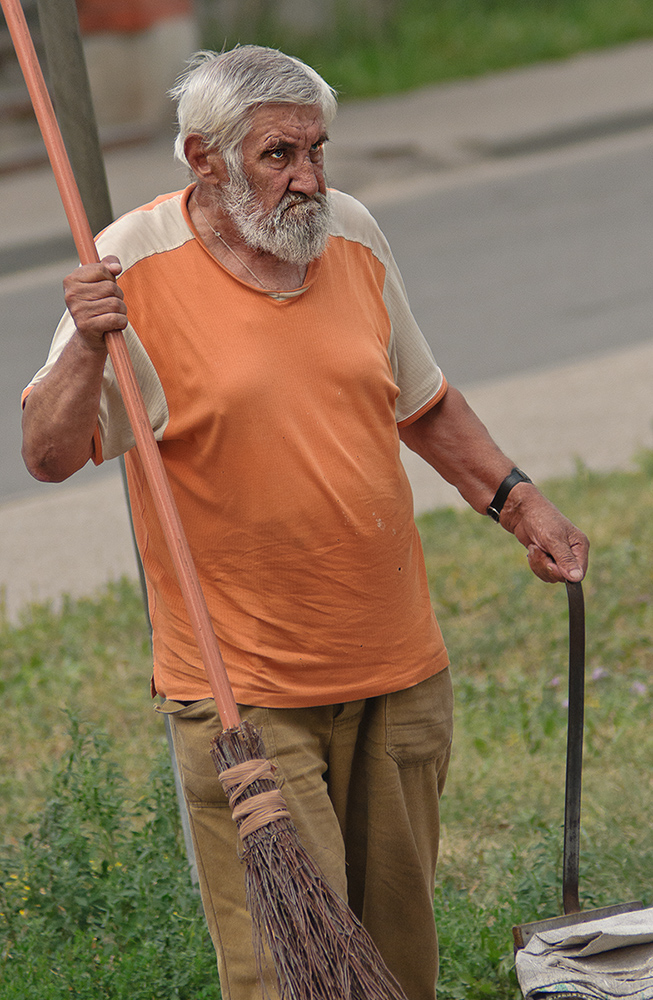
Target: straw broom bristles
{"points": [[319, 948]]}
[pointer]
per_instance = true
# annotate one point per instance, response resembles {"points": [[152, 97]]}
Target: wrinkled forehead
{"points": [[294, 122]]}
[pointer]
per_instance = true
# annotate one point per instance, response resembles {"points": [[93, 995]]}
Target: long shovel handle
{"points": [[575, 716], [148, 450]]}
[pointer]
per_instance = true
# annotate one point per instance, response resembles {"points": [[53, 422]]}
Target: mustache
{"points": [[299, 198], [307, 205]]}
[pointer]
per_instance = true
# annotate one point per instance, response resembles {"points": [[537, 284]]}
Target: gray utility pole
{"points": [[71, 95]]}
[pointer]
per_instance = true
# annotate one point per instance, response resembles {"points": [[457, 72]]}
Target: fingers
{"points": [[541, 563], [547, 569], [95, 301], [557, 549]]}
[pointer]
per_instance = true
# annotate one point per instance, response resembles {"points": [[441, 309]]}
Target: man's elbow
{"points": [[51, 458], [46, 467], [36, 467], [51, 453]]}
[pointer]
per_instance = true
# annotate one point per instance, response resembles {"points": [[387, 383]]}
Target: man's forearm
{"points": [[452, 439], [455, 442], [60, 414]]}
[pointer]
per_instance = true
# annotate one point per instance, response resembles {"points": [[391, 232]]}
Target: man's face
{"points": [[279, 203]]}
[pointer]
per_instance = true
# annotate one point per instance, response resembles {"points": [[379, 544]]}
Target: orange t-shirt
{"points": [[277, 420]]}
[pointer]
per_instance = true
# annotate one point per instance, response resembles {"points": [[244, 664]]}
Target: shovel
{"points": [[573, 914]]}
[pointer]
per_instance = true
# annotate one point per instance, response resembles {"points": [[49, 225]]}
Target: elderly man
{"points": [[281, 366]]}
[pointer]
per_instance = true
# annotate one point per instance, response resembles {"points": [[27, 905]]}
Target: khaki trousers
{"points": [[362, 781]]}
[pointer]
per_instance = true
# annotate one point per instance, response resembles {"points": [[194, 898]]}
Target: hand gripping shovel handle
{"points": [[148, 450]]}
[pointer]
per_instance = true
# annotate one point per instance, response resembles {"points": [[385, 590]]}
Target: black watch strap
{"points": [[501, 495]]}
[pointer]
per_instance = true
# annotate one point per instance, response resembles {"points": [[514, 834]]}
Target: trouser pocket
{"points": [[419, 721]]}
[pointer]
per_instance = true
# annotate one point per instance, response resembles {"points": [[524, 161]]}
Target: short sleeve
{"points": [[419, 379]]}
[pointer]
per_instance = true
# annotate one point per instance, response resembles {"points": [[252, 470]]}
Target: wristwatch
{"points": [[501, 495]]}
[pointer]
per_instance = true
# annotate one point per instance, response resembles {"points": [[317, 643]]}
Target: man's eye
{"points": [[317, 146], [277, 154]]}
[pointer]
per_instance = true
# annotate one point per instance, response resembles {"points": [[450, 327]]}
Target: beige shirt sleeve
{"points": [[420, 381]]}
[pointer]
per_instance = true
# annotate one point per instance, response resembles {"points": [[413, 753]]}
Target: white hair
{"points": [[218, 91]]}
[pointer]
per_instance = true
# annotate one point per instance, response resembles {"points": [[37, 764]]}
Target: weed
{"points": [[97, 902]]}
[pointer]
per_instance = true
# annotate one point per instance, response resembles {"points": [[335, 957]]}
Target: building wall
{"points": [[135, 50]]}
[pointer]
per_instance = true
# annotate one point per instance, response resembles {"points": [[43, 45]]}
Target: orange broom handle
{"points": [[148, 450]]}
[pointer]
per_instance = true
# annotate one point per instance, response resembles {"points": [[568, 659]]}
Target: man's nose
{"points": [[307, 177]]}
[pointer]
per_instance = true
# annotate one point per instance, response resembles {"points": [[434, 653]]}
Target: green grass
{"points": [[95, 902], [94, 658], [421, 42], [504, 804], [95, 899]]}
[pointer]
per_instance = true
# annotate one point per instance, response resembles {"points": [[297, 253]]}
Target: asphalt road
{"points": [[511, 267], [534, 264]]}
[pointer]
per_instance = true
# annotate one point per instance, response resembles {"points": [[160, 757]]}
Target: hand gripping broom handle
{"points": [[148, 450]]}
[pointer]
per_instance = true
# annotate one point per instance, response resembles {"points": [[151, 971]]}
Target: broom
{"points": [[319, 948]]}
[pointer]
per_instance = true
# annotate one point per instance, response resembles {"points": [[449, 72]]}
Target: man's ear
{"points": [[206, 164]]}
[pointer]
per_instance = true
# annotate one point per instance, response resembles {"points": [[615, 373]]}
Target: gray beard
{"points": [[296, 231]]}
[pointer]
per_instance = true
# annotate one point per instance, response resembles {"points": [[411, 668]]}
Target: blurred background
{"points": [[505, 148], [136, 48]]}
